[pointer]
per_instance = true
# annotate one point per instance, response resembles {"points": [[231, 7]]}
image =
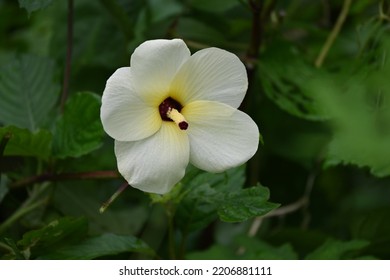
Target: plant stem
{"points": [[257, 30], [68, 60], [382, 15], [113, 197], [171, 230], [104, 174], [21, 212], [252, 100], [333, 34]]}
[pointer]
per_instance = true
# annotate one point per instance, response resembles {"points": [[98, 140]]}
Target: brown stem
{"points": [[68, 60], [113, 197], [104, 174], [302, 203], [256, 33], [252, 96]]}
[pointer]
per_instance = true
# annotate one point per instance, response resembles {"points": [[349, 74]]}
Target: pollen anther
{"points": [[178, 118]]}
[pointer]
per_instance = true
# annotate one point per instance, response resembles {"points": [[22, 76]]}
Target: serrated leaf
{"points": [[100, 246], [245, 204], [197, 209], [27, 91], [357, 99], [79, 130], [230, 180], [23, 142], [360, 109], [335, 250], [34, 5], [55, 235], [204, 192]]}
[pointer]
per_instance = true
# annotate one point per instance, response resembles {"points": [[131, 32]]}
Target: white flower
{"points": [[170, 109]]}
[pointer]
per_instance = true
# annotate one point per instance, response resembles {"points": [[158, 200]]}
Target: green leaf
{"points": [[193, 29], [160, 10], [91, 49], [100, 246], [55, 235], [356, 98], [204, 191], [374, 226], [27, 91], [245, 204], [335, 250], [215, 6], [211, 195], [15, 253], [360, 115], [34, 5], [284, 74], [79, 130], [257, 249], [154, 19], [197, 209], [85, 198], [215, 252], [249, 249], [26, 143], [228, 181]]}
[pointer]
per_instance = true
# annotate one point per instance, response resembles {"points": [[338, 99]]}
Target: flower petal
{"points": [[154, 64], [211, 74], [125, 117], [157, 163], [221, 137]]}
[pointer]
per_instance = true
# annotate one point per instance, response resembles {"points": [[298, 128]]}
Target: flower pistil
{"points": [[178, 118], [170, 111]]}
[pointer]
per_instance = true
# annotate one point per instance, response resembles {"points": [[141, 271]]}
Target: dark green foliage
{"points": [[23, 142], [27, 90], [325, 158], [86, 132], [100, 246], [34, 5], [210, 196], [54, 236]]}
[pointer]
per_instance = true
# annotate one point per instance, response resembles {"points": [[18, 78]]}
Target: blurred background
{"points": [[319, 92]]}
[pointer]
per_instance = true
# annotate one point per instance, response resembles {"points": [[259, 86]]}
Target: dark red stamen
{"points": [[183, 125], [166, 105]]}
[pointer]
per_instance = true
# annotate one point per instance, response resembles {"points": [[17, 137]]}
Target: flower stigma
{"points": [[170, 111]]}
